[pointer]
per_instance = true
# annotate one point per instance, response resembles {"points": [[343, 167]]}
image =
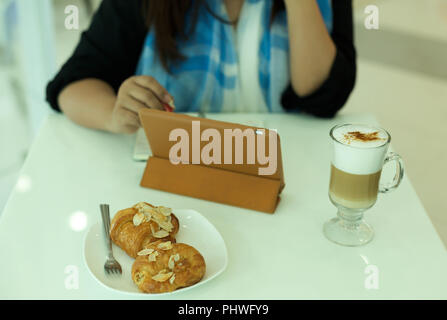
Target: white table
{"points": [[282, 256]]}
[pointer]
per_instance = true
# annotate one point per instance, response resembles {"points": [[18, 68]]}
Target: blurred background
{"points": [[402, 80]]}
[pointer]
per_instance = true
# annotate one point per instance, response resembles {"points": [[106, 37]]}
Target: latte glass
{"points": [[359, 154]]}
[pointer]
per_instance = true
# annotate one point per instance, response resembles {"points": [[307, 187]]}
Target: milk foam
{"points": [[359, 157], [342, 132]]}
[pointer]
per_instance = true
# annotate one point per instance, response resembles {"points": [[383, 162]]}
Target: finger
{"points": [[130, 129], [133, 104], [167, 107], [152, 84], [146, 97], [129, 118]]}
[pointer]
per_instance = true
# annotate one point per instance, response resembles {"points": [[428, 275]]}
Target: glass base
{"points": [[348, 233]]}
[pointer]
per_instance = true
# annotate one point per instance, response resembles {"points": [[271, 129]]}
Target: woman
{"points": [[208, 55]]}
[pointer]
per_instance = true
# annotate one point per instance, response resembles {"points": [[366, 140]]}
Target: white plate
{"points": [[194, 230]]}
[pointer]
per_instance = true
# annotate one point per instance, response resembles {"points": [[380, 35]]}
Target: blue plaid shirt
{"points": [[198, 82]]}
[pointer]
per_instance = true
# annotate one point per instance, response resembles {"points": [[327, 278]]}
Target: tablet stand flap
{"points": [[213, 184]]}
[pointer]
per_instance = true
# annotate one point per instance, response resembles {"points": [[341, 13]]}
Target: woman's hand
{"points": [[135, 93]]}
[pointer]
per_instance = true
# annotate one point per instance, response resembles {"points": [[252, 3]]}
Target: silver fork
{"points": [[111, 265]]}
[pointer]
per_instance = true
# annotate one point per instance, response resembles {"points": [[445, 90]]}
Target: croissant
{"points": [[134, 228], [166, 266]]}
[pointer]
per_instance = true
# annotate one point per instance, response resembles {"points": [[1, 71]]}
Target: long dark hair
{"points": [[167, 17]]}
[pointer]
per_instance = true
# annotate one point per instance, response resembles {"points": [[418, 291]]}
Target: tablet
{"points": [[213, 160], [142, 150]]}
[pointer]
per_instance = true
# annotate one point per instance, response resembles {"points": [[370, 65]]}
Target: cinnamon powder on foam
{"points": [[363, 137]]}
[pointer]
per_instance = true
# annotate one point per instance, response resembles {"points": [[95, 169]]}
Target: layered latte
{"points": [[359, 152]]}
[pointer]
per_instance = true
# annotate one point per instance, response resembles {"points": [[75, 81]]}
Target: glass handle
{"points": [[392, 156]]}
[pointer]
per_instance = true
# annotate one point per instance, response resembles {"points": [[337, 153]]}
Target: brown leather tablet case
{"points": [[234, 184]]}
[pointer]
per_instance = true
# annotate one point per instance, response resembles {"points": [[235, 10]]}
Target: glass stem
{"points": [[350, 219]]}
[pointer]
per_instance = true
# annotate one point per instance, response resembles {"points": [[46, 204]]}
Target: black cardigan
{"points": [[110, 49]]}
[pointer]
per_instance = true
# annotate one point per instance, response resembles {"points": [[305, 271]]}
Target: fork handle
{"points": [[105, 214]]}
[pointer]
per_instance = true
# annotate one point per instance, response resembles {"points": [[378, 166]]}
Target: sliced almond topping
{"points": [[138, 219], [171, 262], [176, 257], [140, 205], [153, 256], [163, 220], [158, 216], [165, 210], [165, 245], [160, 234], [166, 225], [160, 277], [145, 252], [171, 280], [148, 212]]}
